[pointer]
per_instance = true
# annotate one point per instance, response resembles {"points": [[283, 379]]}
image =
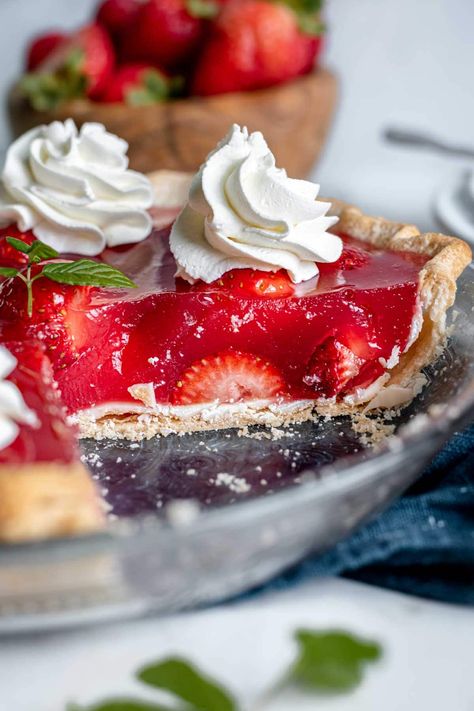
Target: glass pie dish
{"points": [[202, 517]]}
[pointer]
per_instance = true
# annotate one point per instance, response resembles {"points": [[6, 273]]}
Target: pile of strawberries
{"points": [[144, 51]]}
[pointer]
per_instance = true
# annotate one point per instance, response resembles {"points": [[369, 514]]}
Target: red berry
{"points": [[9, 256], [249, 282], [230, 376], [41, 47], [331, 367], [83, 64], [137, 84], [117, 15], [163, 32], [255, 44], [351, 258]]}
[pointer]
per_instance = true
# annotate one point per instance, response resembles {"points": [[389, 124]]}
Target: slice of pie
{"points": [[259, 305], [44, 488]]}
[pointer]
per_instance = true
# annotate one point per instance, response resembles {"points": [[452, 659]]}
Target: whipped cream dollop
{"points": [[13, 408], [242, 211], [74, 189]]}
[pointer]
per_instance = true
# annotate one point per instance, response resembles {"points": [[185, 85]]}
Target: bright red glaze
{"points": [[52, 440], [117, 338]]}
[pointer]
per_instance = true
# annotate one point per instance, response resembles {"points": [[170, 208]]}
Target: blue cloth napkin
{"points": [[423, 544]]}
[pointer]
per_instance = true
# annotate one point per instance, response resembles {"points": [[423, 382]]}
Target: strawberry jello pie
{"points": [[259, 304]]}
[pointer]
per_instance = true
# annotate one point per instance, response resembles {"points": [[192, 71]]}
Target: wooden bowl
{"points": [[177, 135]]}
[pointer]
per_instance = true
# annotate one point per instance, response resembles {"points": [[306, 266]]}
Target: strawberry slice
{"points": [[331, 367], [59, 318], [230, 376]]}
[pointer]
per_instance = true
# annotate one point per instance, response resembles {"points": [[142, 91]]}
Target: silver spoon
{"points": [[423, 140]]}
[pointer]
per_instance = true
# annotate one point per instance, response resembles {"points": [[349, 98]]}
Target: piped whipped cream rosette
{"points": [[74, 190], [13, 409], [243, 211]]}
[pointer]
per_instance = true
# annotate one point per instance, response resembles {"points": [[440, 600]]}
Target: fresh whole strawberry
{"points": [[230, 376], [331, 367], [139, 85], [41, 47], [254, 44], [117, 15], [80, 66], [166, 32]]}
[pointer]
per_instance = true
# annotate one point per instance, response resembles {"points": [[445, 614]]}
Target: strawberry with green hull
{"points": [[80, 66], [140, 85], [254, 44]]}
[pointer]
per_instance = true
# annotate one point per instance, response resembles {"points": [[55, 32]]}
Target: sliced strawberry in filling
{"points": [[331, 367], [231, 376]]}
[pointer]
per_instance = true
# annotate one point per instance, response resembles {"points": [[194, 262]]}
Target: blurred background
{"points": [[399, 63]]}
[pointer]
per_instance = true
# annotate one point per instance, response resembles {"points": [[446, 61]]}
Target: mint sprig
{"points": [[80, 272], [330, 661]]}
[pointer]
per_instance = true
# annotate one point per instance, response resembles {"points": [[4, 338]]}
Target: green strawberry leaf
{"points": [[331, 661], [47, 90], [204, 9], [120, 705], [8, 272], [86, 272], [19, 245], [180, 678], [39, 251]]}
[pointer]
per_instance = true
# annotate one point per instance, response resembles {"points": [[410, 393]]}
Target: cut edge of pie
{"points": [[437, 289]]}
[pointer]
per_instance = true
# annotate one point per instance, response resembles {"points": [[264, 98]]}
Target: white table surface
{"points": [[400, 62]]}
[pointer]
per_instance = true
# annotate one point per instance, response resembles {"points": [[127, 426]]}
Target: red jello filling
{"points": [[50, 439], [251, 334]]}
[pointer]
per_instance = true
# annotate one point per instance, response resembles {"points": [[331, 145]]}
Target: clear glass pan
{"points": [[263, 504]]}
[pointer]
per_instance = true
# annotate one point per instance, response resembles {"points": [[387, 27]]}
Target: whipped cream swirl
{"points": [[74, 190], [242, 211], [13, 408]]}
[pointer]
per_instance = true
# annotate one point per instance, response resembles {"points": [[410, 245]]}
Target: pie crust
{"points": [[437, 290], [46, 500]]}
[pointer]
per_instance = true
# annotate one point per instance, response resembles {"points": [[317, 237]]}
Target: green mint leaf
{"points": [[19, 245], [205, 9], [8, 272], [39, 251], [120, 705], [186, 682], [86, 272], [331, 661]]}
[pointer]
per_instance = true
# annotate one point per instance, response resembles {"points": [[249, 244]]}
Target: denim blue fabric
{"points": [[423, 544]]}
